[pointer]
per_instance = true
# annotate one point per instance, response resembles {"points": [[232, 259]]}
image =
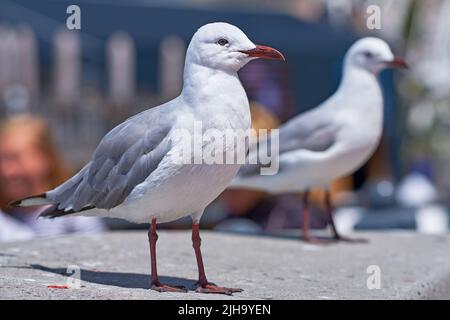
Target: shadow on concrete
{"points": [[319, 238], [120, 279], [6, 255]]}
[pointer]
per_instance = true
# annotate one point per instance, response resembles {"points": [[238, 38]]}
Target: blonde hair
{"points": [[41, 137]]}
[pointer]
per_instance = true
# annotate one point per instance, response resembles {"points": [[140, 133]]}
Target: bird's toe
{"points": [[352, 240], [166, 288], [212, 288]]}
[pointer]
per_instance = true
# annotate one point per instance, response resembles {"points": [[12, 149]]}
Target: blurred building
{"points": [[128, 56], [131, 58]]}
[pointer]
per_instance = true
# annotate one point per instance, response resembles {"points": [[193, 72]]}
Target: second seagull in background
{"points": [[334, 139]]}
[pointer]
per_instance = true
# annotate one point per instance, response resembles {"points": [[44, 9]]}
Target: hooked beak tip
{"points": [[265, 53]]}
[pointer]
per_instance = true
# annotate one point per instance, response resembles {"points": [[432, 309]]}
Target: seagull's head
{"points": [[372, 54], [223, 46]]}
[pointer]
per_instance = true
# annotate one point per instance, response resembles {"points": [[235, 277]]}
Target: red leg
{"points": [[204, 286], [306, 235], [329, 209], [336, 234], [155, 284]]}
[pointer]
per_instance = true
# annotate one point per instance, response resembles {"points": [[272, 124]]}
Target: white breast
{"points": [[173, 191]]}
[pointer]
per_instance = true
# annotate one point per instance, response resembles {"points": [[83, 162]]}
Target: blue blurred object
{"points": [[378, 194], [313, 49], [239, 225], [389, 218]]}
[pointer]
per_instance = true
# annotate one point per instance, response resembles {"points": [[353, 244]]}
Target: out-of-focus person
{"points": [[30, 164]]}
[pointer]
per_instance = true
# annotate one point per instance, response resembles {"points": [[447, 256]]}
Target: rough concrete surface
{"points": [[116, 265]]}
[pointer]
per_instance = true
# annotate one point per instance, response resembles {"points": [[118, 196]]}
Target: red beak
{"points": [[398, 63], [264, 52]]}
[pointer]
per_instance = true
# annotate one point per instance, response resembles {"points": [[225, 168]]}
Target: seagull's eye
{"points": [[222, 42], [368, 54]]}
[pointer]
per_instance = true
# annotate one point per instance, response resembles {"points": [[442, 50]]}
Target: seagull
{"points": [[332, 140], [134, 173]]}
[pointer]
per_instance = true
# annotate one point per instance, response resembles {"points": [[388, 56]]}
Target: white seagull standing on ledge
{"points": [[133, 174], [334, 139]]}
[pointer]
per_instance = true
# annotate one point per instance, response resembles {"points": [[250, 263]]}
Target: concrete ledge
{"points": [[115, 265]]}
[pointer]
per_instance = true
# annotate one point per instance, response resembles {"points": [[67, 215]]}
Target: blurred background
{"points": [[61, 90]]}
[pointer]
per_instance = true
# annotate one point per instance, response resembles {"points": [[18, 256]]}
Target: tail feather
{"points": [[37, 200], [50, 209], [53, 211]]}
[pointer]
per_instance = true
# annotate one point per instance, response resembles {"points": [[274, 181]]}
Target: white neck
{"points": [[360, 95], [204, 84], [218, 96], [359, 80]]}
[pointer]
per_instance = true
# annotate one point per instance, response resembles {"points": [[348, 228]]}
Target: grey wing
{"points": [[125, 157], [313, 130]]}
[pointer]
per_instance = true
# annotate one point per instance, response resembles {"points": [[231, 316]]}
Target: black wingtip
{"points": [[14, 204], [17, 203], [53, 211]]}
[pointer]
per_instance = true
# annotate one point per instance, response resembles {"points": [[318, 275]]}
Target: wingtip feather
{"points": [[37, 200]]}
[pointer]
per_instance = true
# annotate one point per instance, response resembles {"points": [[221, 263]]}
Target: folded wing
{"points": [[125, 157]]}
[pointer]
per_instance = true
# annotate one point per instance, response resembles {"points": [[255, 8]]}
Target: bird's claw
{"points": [[212, 288], [324, 241], [166, 288], [351, 240], [313, 240]]}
